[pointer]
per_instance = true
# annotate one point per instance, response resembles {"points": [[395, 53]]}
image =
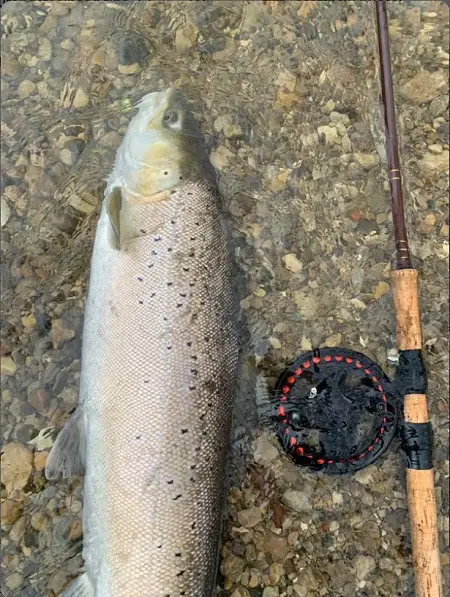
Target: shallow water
{"points": [[288, 97]]}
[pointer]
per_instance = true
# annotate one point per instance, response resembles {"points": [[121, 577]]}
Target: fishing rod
{"points": [[336, 411], [416, 428]]}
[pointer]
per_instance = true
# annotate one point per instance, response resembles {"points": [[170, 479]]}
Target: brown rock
{"points": [[10, 512], [39, 399], [18, 530], [250, 517], [276, 546], [61, 333], [75, 531], [232, 567], [16, 466], [424, 87], [40, 458]]}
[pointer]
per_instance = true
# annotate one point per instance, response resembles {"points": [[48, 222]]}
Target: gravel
{"points": [[288, 96]]}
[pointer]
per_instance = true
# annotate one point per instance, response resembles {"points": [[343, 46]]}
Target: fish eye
{"points": [[170, 117]]}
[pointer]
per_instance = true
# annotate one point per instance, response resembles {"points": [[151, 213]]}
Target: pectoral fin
{"points": [[113, 209], [67, 456]]}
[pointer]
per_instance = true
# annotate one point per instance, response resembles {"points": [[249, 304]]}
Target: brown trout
{"points": [[151, 432]]}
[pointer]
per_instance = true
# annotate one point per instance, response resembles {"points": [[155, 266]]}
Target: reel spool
{"points": [[335, 411]]}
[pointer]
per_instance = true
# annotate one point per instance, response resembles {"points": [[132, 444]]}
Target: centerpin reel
{"points": [[334, 411]]}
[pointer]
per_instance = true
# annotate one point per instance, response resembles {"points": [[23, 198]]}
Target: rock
{"points": [[29, 322], [366, 160], [14, 581], [67, 157], [287, 80], [365, 476], [10, 511], [432, 162], [75, 531], [81, 98], [333, 340], [221, 157], [381, 289], [39, 521], [435, 148], [300, 590], [185, 37], [424, 87], [132, 51], [438, 106], [18, 530], [300, 501], [276, 571], [270, 592], [369, 536], [16, 464], [275, 343], [232, 568], [338, 117], [39, 460], [5, 212], [45, 49], [10, 66], [292, 263], [7, 366], [250, 517], [330, 133], [364, 565], [339, 573], [276, 546], [25, 89], [111, 139], [129, 69], [61, 333], [61, 9], [264, 451]]}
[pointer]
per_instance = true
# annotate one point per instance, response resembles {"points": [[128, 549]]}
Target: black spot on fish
{"points": [[189, 343], [181, 178], [169, 250], [202, 416], [183, 431], [165, 173], [170, 482], [193, 525], [192, 388], [141, 302], [183, 294], [185, 269], [177, 497], [138, 437], [154, 252], [157, 239], [150, 265], [194, 371], [169, 283], [192, 480], [193, 466], [189, 194], [206, 338], [140, 279], [169, 348], [197, 223], [146, 381], [153, 294], [194, 357], [143, 231], [191, 284], [193, 238], [179, 305], [172, 221]]}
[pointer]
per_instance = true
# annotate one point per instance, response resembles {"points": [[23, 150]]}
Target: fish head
{"points": [[163, 147]]}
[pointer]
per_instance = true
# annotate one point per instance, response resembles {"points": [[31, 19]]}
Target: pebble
{"points": [[364, 565], [18, 530], [292, 263], [276, 571], [39, 460], [275, 343], [434, 162], [232, 567], [330, 133], [276, 546], [10, 511], [300, 501], [25, 89], [81, 98], [7, 366], [185, 37], [435, 148], [61, 333], [129, 69], [424, 87], [67, 157], [250, 517], [14, 581], [366, 160], [264, 451], [270, 592], [16, 465]]}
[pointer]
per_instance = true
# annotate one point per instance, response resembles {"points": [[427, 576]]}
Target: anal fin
{"points": [[67, 456]]}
